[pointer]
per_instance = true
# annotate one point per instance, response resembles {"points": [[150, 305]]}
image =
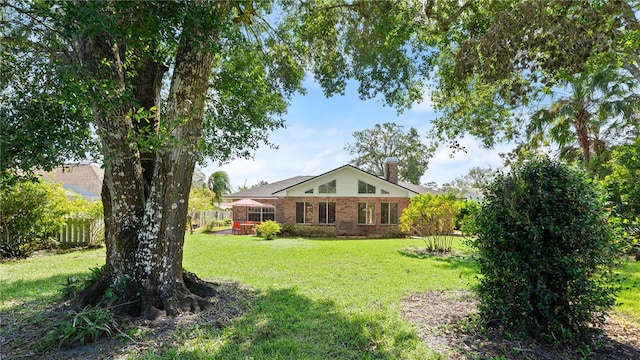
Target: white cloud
{"points": [[302, 150], [445, 166], [319, 128]]}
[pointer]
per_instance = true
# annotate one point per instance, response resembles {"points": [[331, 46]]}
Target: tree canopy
{"points": [[372, 146], [152, 87], [219, 183], [500, 63]]}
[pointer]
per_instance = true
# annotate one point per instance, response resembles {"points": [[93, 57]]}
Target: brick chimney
{"points": [[391, 169]]}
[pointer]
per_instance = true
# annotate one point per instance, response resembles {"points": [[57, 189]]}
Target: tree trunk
{"points": [[146, 190], [581, 123]]}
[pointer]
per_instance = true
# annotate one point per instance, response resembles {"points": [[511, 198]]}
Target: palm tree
{"points": [[600, 105], [219, 183]]}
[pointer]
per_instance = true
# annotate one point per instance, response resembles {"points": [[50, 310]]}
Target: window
{"points": [[364, 188], [304, 213], [268, 213], [327, 213], [328, 188], [260, 214], [310, 191], [384, 192], [366, 212], [389, 213]]}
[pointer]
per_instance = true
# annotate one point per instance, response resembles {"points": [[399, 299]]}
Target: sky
{"points": [[318, 128]]}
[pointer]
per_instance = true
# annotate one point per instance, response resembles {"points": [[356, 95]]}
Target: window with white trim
{"points": [[389, 213], [366, 213], [304, 213], [364, 188], [327, 212], [328, 188], [260, 214]]}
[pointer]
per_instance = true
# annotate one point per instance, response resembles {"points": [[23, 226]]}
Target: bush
{"points": [[29, 210], [466, 212], [545, 253], [75, 284], [430, 216], [394, 232], [82, 327], [307, 231], [268, 229]]}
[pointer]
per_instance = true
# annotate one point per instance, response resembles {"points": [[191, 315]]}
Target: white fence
{"points": [[81, 232], [206, 217]]}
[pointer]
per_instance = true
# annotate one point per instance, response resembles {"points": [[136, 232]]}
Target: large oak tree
{"points": [[371, 148], [156, 86]]}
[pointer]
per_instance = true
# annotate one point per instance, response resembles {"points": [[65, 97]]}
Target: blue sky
{"points": [[318, 128]]}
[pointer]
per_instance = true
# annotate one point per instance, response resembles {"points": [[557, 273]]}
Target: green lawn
{"points": [[310, 299]]}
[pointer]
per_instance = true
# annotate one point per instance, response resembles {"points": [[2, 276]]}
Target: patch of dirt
{"points": [[443, 320]]}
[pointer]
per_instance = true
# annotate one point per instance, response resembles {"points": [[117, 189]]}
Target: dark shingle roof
{"points": [[266, 191]]}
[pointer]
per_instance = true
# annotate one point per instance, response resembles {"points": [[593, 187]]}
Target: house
{"points": [[354, 202], [470, 193], [83, 179]]}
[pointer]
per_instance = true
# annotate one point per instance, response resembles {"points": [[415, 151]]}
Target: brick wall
{"points": [[346, 213]]}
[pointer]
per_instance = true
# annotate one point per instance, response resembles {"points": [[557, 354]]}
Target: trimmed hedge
{"points": [[307, 231]]}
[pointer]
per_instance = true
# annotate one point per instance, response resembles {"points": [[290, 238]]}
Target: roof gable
{"points": [[347, 178], [266, 191]]}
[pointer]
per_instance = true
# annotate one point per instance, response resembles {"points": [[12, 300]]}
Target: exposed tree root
{"points": [[195, 296]]}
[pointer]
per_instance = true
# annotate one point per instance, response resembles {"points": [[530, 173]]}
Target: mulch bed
{"points": [[443, 320]]}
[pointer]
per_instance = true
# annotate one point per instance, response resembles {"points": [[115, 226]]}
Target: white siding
{"points": [[347, 185]]}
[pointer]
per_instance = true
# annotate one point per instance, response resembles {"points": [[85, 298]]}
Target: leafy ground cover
{"points": [[285, 298]]}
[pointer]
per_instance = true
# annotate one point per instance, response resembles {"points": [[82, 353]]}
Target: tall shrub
{"points": [[432, 218], [545, 253], [466, 212], [29, 210]]}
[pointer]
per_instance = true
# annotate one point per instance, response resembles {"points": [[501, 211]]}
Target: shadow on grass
{"points": [[287, 325], [33, 290], [242, 324], [464, 263], [27, 315]]}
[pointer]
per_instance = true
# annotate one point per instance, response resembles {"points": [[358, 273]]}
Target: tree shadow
{"points": [[242, 323], [285, 324], [26, 317], [464, 263], [32, 290]]}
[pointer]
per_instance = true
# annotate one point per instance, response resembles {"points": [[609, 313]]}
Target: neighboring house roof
{"points": [[419, 188], [82, 192], [280, 188], [471, 193], [225, 206], [81, 178]]}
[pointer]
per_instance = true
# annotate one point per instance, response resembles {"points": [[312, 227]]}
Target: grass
{"points": [[628, 299], [309, 299], [320, 299], [41, 277]]}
